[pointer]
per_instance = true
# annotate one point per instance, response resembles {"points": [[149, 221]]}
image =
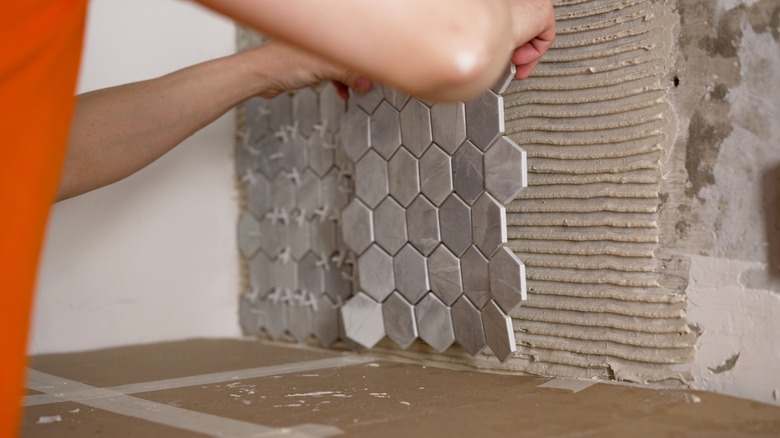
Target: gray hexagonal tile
{"points": [[355, 133], [271, 153], [275, 320], [455, 224], [400, 324], [396, 97], [298, 239], [435, 174], [476, 276], [308, 193], [249, 234], [448, 123], [411, 274], [422, 225], [467, 325], [299, 321], [488, 224], [259, 195], [390, 225], [335, 195], [485, 119], [376, 273], [371, 180], [280, 111], [283, 192], [416, 127], [357, 226], [332, 108], [445, 276], [249, 315], [369, 100], [321, 154], [274, 236], [323, 237], [285, 275], [311, 276], [434, 323], [257, 116], [404, 177], [362, 319], [296, 153], [468, 172], [326, 321], [499, 334], [506, 78], [338, 285], [386, 130], [306, 110], [507, 279], [505, 170], [260, 274]]}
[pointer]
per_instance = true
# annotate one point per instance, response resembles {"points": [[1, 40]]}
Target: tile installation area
{"points": [[244, 388]]}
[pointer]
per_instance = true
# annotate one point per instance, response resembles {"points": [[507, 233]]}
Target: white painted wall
{"points": [[152, 257]]}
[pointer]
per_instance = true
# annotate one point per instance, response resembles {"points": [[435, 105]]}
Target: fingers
{"points": [[527, 57]]}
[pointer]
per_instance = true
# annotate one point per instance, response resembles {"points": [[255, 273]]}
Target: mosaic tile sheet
{"points": [[381, 217]]}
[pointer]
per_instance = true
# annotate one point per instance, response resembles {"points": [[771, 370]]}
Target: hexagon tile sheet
{"points": [[381, 217]]}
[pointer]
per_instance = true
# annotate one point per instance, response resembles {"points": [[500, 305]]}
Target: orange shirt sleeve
{"points": [[40, 48]]}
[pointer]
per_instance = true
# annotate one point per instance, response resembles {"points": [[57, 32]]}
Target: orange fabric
{"points": [[40, 48]]}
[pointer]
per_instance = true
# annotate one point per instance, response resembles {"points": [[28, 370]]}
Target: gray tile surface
{"points": [[416, 127], [306, 111], [396, 97], [505, 165], [390, 225], [499, 335], [298, 238], [362, 319], [488, 222], [386, 130], [455, 224], [299, 321], [321, 154], [308, 193], [249, 315], [411, 274], [398, 315], [311, 276], [476, 276], [275, 321], [274, 236], [507, 279], [468, 172], [434, 323], [338, 286], [285, 275], [283, 192], [448, 125], [467, 326], [371, 172], [422, 225], [355, 133], [404, 179], [357, 226], [436, 174], [369, 100], [259, 195], [280, 111], [249, 235], [332, 108], [260, 274], [445, 276], [270, 153], [506, 78], [485, 119], [326, 321], [323, 237], [376, 273]]}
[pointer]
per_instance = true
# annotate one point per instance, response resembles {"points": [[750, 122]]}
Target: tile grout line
{"points": [[116, 400]]}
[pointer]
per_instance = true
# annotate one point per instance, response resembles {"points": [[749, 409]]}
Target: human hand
{"points": [[295, 69], [533, 22]]}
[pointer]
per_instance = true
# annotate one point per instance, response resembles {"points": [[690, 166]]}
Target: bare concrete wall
{"points": [[722, 191]]}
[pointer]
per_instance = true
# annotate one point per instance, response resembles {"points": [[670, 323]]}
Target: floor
{"points": [[250, 388]]}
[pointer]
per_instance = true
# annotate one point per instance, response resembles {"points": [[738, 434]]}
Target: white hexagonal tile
{"points": [[499, 333], [376, 273], [357, 226], [422, 225], [434, 323], [404, 177], [411, 274], [505, 170], [436, 174], [400, 325], [390, 225], [386, 130], [445, 276], [371, 180], [488, 224], [362, 319], [448, 123], [485, 119], [467, 325], [416, 127], [507, 279], [455, 224], [468, 172]]}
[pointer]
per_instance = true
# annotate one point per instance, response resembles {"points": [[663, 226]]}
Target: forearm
{"points": [[117, 131], [439, 49]]}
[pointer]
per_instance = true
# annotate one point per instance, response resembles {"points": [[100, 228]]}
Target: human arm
{"points": [[118, 131], [435, 49]]}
